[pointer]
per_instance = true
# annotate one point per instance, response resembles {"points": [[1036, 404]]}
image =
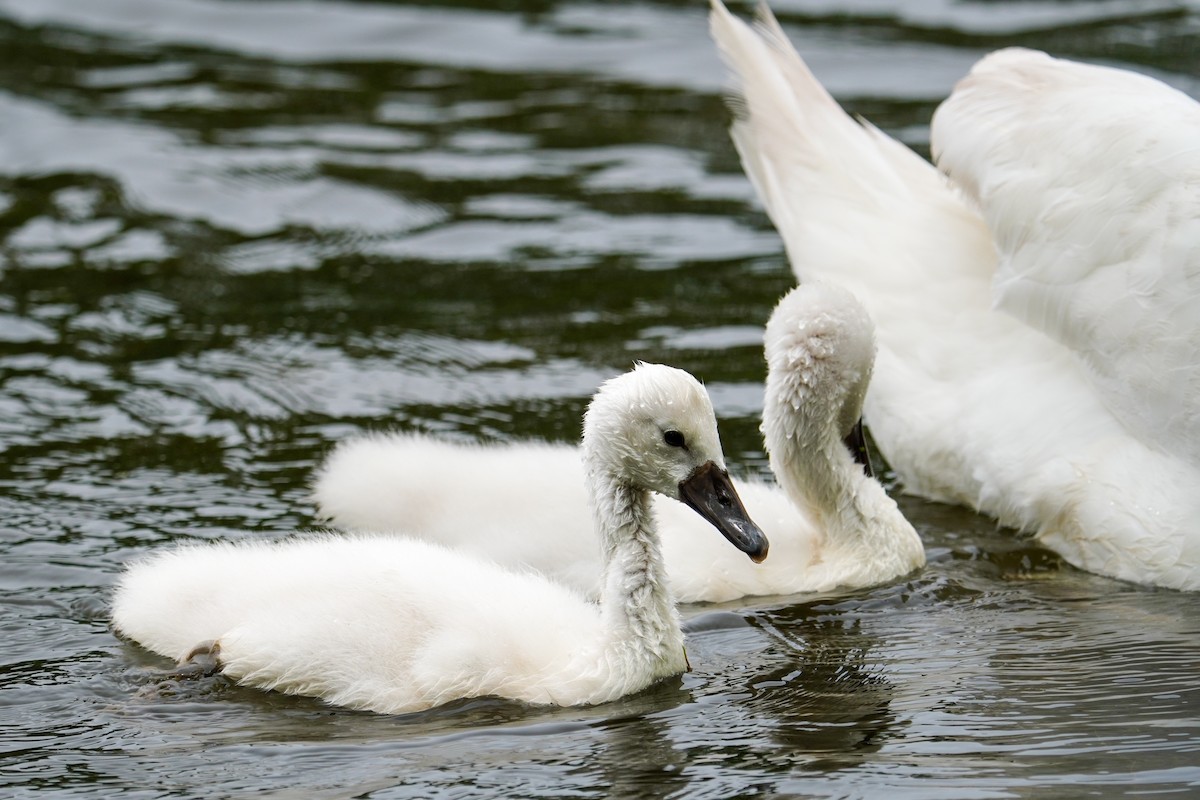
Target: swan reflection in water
{"points": [[828, 704]]}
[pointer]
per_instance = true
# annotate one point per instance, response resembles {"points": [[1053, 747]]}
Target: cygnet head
{"points": [[654, 428], [820, 349]]}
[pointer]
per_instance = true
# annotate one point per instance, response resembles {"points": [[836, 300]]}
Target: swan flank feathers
{"points": [[830, 525], [1037, 311], [392, 625]]}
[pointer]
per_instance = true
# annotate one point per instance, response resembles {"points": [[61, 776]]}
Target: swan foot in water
{"points": [[203, 661]]}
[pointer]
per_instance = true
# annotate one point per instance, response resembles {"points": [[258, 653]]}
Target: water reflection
{"points": [[637, 758], [828, 704]]}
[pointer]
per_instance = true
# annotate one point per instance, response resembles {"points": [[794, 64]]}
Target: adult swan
{"points": [[394, 625], [1037, 311]]}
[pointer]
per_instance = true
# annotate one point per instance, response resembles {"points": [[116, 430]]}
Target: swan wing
{"points": [[1089, 179], [861, 210], [829, 182]]}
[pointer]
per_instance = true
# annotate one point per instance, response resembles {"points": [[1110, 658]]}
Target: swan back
{"points": [[372, 622], [527, 502]]}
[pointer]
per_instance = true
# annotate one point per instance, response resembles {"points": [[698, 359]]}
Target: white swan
{"points": [[1039, 360], [394, 625], [830, 525]]}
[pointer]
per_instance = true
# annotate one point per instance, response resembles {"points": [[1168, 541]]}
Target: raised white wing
{"points": [[1089, 179]]}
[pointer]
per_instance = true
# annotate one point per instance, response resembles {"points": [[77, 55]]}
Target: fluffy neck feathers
{"points": [[638, 611]]}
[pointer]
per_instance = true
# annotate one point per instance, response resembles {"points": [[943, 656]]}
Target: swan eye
{"points": [[674, 438]]}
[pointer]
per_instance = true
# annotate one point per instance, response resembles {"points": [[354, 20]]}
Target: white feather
{"points": [[1046, 425], [1089, 179]]}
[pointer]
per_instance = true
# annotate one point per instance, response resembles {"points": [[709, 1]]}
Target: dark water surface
{"points": [[233, 233]]}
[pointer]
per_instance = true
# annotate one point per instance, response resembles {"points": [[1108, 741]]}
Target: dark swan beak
{"points": [[710, 494], [856, 443]]}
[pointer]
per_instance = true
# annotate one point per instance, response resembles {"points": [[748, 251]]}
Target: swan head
{"points": [[820, 350], [654, 428]]}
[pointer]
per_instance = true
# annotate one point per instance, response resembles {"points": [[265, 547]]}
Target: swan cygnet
{"points": [[1036, 303], [830, 524], [394, 625]]}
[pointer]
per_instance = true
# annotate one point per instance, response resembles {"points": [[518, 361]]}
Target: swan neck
{"points": [[818, 473], [636, 604], [822, 484]]}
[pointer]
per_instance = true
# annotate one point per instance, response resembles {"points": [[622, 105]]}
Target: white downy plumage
{"points": [[829, 525], [393, 625], [1037, 313]]}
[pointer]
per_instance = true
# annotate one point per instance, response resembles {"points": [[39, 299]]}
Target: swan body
{"points": [[1037, 307], [829, 524], [393, 625]]}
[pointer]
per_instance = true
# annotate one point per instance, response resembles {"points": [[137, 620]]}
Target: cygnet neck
{"points": [[817, 376], [817, 472], [862, 531], [637, 607], [820, 350]]}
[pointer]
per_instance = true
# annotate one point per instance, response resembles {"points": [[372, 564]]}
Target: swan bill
{"points": [[709, 492], [856, 443]]}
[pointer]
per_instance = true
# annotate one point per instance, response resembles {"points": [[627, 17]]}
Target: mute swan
{"points": [[830, 525], [1037, 313], [394, 625]]}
